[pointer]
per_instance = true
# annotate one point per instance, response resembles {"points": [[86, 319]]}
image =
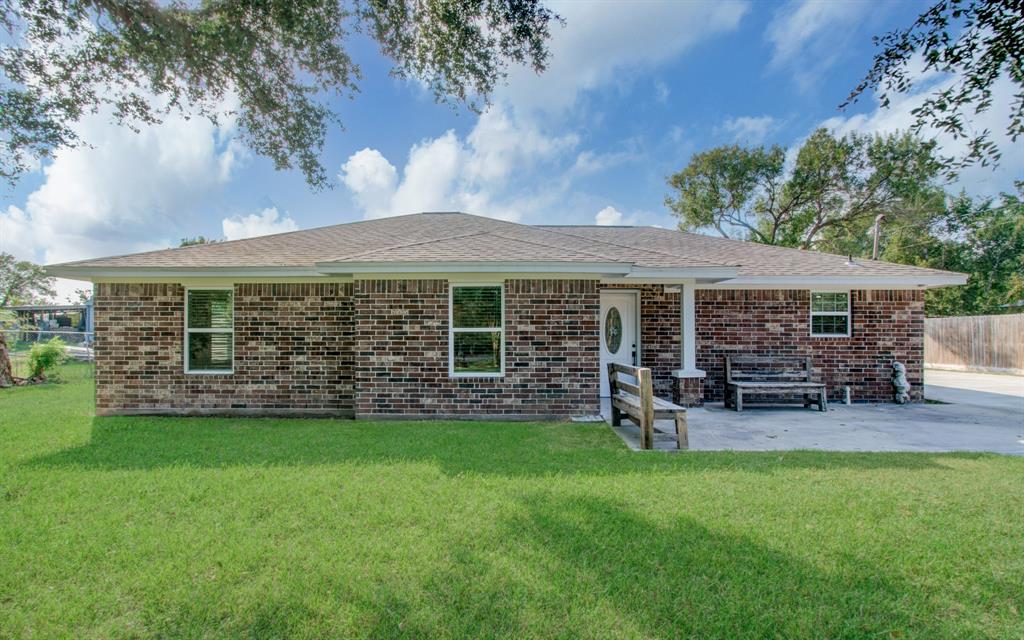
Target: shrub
{"points": [[45, 356]]}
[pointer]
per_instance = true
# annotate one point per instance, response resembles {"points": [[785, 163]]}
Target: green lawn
{"points": [[147, 527]]}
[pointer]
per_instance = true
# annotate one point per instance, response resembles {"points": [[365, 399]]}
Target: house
{"points": [[449, 314]]}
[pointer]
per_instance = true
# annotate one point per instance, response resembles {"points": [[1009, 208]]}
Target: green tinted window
{"points": [[210, 336], [477, 334], [476, 307]]}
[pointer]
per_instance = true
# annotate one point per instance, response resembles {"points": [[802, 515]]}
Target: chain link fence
{"points": [[20, 341]]}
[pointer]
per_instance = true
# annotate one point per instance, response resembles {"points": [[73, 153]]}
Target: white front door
{"points": [[618, 332]]}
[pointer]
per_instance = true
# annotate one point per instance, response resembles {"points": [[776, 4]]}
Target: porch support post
{"points": [[688, 326], [688, 390]]}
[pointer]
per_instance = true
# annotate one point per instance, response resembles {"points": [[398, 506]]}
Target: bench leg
{"points": [[681, 431], [728, 393], [739, 400], [646, 433], [616, 417], [822, 401]]}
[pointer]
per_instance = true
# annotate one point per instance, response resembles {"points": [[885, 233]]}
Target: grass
{"points": [[208, 528]]}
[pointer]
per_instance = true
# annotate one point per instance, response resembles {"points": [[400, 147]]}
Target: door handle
{"points": [[634, 355]]}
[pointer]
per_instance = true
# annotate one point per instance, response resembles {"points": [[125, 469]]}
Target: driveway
{"points": [[983, 390], [980, 412]]}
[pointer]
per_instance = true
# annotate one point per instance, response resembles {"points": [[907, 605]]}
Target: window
{"points": [[476, 340], [830, 313], [209, 330]]}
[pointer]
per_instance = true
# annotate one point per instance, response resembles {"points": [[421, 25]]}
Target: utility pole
{"points": [[878, 224]]}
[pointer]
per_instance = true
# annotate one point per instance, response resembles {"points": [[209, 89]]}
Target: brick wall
{"points": [[887, 326], [293, 351], [660, 346], [380, 347], [551, 351]]}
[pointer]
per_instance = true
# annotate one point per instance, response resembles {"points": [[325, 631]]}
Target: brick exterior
{"points": [[887, 326], [380, 348], [551, 351], [293, 351], [688, 392]]}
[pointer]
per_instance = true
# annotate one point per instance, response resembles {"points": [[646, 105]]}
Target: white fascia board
{"points": [[683, 273], [98, 273], [602, 268], [869, 282]]}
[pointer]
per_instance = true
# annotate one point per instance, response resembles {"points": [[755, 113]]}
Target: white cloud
{"points": [[264, 223], [601, 43], [590, 162], [749, 129], [807, 36], [610, 216], [661, 92], [372, 179], [450, 173], [977, 180], [123, 194]]}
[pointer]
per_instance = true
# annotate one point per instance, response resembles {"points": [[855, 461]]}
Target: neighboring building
{"points": [[448, 314]]}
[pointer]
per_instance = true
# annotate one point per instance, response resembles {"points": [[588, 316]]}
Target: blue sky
{"points": [[633, 90]]}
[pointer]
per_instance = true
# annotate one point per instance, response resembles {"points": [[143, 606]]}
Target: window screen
{"points": [[209, 340], [830, 313], [477, 331]]}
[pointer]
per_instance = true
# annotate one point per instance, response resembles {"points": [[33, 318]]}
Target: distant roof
{"points": [[434, 239], [48, 307]]}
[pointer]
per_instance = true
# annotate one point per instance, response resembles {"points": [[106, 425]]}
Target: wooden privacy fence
{"points": [[975, 343]]}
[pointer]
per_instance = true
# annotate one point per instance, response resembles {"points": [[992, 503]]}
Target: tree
{"points": [[6, 373], [142, 60], [22, 281], [976, 42], [983, 238], [196, 240], [835, 185]]}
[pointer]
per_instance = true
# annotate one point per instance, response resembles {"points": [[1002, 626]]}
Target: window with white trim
{"points": [[209, 330], [476, 339], [830, 314]]}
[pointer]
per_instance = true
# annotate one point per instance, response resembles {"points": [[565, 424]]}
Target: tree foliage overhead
{"points": [[22, 282], [835, 183], [976, 42], [280, 59]]}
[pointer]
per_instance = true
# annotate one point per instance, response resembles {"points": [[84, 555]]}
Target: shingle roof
{"points": [[753, 259], [460, 237]]}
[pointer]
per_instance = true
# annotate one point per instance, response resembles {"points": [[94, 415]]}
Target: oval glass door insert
{"points": [[613, 330]]}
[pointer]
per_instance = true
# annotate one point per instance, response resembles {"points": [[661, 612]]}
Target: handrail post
{"points": [[646, 408]]}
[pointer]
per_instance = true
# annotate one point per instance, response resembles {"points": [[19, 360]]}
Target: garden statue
{"points": [[899, 383]]}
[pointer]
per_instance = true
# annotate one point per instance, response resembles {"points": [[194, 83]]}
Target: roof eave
{"points": [[84, 272], [926, 281]]}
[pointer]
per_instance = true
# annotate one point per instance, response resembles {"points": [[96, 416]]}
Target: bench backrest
{"points": [[767, 369], [644, 387]]}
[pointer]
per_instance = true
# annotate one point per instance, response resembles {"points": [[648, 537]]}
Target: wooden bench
{"points": [[754, 375], [638, 403]]}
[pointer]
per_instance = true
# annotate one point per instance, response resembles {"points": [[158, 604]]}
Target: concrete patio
{"points": [[979, 412]]}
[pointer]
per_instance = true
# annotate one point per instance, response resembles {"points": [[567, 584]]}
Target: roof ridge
{"points": [[405, 245], [541, 244], [644, 249]]}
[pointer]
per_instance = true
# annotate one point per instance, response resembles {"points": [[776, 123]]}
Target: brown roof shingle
{"points": [[460, 237]]}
